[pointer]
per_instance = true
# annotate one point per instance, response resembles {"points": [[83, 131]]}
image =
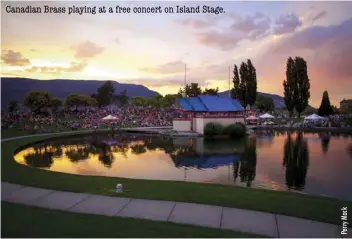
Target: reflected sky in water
{"points": [[310, 163]]}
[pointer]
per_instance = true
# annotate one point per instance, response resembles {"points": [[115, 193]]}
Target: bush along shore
{"points": [[234, 131]]}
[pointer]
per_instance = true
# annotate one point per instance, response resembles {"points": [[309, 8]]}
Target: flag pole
{"points": [[185, 74], [229, 83], [185, 80]]}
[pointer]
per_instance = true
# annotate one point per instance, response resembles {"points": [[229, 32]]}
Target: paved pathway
{"points": [[267, 224]]}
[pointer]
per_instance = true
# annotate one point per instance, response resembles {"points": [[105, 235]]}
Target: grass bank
{"points": [[286, 203], [37, 222]]}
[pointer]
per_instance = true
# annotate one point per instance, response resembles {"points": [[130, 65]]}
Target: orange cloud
{"points": [[167, 68], [87, 50], [13, 58], [74, 67]]}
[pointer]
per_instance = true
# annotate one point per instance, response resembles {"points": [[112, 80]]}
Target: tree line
{"points": [[39, 101]]}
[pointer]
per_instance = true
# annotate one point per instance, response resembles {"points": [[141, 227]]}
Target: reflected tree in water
{"points": [[325, 144], [349, 148], [77, 153], [161, 143], [248, 162], [105, 155], [235, 166], [41, 158], [138, 149], [57, 150], [296, 161]]}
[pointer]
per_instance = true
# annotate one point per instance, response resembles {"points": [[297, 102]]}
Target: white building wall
{"points": [[182, 125]]}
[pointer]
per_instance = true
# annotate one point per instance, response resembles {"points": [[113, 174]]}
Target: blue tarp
{"points": [[209, 103]]}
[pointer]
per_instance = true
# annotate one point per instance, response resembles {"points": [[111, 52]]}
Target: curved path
{"points": [[267, 224]]}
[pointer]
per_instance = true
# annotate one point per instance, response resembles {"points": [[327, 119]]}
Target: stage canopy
{"points": [[314, 117], [252, 117], [110, 118], [266, 116]]}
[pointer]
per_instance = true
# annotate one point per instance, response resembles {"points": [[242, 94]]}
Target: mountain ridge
{"points": [[15, 88]]}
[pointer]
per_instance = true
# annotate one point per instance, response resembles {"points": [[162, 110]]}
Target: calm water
{"points": [[319, 164]]}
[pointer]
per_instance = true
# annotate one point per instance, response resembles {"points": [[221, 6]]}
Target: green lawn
{"points": [[25, 221], [287, 203], [8, 133]]}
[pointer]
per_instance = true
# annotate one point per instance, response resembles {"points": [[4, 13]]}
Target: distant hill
{"points": [[278, 100], [16, 88]]}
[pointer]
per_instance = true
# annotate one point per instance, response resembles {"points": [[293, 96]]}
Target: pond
{"points": [[310, 163]]}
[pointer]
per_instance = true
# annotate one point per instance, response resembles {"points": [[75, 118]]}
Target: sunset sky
{"points": [[152, 49]]}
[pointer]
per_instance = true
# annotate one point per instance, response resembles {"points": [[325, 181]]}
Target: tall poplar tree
{"points": [[302, 85], [296, 85], [252, 83], [245, 84], [289, 86]]}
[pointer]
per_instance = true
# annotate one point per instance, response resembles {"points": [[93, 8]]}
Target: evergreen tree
{"points": [[325, 108]]}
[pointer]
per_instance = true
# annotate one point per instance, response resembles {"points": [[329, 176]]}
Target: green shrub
{"points": [[212, 129], [236, 130]]}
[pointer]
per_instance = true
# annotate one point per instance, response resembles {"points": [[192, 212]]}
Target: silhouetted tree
{"points": [[56, 103], [296, 85], [264, 103], [123, 98], [289, 86], [325, 108], [210, 91], [105, 93], [192, 90], [13, 105], [38, 101], [245, 84]]}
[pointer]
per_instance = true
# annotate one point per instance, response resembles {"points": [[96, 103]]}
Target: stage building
{"points": [[196, 112]]}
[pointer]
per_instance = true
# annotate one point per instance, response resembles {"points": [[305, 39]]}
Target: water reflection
{"points": [[275, 160], [349, 149], [325, 139], [248, 162], [296, 161]]}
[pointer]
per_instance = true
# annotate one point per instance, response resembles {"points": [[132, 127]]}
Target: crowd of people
{"points": [[132, 116]]}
